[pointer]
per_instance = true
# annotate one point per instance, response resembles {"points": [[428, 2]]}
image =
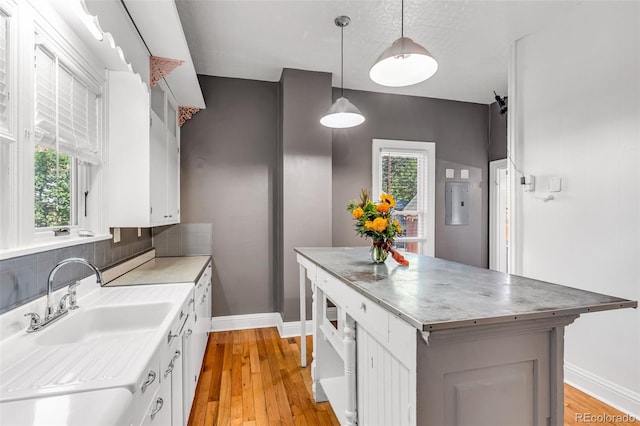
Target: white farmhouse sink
{"points": [[103, 322]]}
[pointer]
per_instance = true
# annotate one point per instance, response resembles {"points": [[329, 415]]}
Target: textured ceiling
{"points": [[470, 39]]}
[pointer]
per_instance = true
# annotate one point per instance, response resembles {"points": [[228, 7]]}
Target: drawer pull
{"points": [[171, 336], [363, 307], [188, 333], [159, 405], [172, 363], [150, 378], [191, 301]]}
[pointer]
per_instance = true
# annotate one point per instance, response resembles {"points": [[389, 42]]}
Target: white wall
{"points": [[577, 115]]}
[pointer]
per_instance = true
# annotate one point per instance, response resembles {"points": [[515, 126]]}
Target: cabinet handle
{"points": [[182, 314], [188, 333], [363, 307], [159, 405], [150, 378], [172, 363], [171, 336]]}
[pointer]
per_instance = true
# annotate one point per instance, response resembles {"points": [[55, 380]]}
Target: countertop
{"points": [[434, 294], [164, 270]]}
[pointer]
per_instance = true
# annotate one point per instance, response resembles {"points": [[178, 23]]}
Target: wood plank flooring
{"points": [[254, 378], [581, 409]]}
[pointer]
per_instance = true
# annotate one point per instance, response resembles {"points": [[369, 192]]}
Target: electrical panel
{"points": [[456, 198]]}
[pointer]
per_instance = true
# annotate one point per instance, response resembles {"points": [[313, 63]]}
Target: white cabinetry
{"points": [[190, 367], [381, 390], [144, 154], [195, 337]]}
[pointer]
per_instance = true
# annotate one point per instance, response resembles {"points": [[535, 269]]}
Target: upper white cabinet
{"points": [[144, 153]]}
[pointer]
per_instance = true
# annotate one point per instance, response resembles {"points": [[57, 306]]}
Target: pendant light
{"points": [[342, 114], [404, 63]]}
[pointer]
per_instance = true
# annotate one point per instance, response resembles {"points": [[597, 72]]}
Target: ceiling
{"points": [[470, 39]]}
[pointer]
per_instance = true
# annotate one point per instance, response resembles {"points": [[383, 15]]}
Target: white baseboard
{"points": [[614, 395], [243, 322], [292, 328], [270, 319]]}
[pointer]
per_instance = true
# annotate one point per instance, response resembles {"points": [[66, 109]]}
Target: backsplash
{"points": [[184, 239], [24, 278]]}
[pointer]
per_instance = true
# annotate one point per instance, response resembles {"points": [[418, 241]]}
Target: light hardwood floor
{"points": [[254, 378]]}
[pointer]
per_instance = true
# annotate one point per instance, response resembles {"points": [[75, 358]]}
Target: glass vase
{"points": [[378, 252]]}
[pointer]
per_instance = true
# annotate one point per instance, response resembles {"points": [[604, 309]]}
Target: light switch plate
{"points": [[555, 184], [450, 173], [464, 174], [116, 235]]}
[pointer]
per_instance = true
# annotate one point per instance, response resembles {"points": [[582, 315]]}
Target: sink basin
{"points": [[104, 322]]}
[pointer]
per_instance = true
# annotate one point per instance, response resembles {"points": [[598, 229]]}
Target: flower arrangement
{"points": [[374, 220]]}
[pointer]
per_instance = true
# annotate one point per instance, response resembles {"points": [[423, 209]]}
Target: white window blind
{"points": [[5, 107], [66, 110]]}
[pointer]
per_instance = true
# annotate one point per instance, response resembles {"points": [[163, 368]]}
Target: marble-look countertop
{"points": [[434, 294], [164, 270]]}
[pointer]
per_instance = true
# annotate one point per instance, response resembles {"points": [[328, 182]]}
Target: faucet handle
{"points": [[62, 305], [73, 295], [35, 321]]}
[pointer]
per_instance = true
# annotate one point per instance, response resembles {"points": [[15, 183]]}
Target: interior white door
{"points": [[499, 216]]}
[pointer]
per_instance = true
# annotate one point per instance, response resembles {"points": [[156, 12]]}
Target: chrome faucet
{"points": [[50, 309], [51, 314]]}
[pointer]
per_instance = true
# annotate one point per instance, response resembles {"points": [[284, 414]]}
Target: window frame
{"points": [[19, 236], [428, 150]]}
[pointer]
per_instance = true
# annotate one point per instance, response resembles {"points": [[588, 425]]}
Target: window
{"points": [[51, 174], [66, 141], [6, 110], [406, 170]]}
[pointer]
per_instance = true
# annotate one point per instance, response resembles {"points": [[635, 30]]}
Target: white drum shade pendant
{"points": [[404, 63], [342, 114]]}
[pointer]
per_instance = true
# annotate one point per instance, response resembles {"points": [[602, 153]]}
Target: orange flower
{"points": [[380, 224], [368, 224], [383, 207], [388, 199], [357, 213]]}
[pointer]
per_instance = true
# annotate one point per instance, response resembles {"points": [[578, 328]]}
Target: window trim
{"points": [[18, 232], [428, 149]]}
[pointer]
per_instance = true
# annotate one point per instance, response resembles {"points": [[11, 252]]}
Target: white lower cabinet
{"points": [[165, 392], [190, 367], [146, 391], [159, 412]]}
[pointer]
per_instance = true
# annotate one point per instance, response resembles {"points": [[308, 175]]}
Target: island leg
{"points": [[351, 412], [303, 317]]}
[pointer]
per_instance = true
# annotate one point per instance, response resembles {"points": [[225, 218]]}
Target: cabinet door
{"points": [[173, 178], [190, 369], [159, 212], [384, 385], [129, 151], [177, 414], [159, 412]]}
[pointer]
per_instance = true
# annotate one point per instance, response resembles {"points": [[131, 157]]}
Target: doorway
{"points": [[499, 215]]}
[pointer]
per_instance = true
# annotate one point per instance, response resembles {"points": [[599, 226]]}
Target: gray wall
{"points": [[24, 278], [228, 163], [460, 131], [497, 133], [305, 191]]}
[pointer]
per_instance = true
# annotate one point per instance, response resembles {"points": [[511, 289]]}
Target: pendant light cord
{"points": [[402, 18], [342, 62]]}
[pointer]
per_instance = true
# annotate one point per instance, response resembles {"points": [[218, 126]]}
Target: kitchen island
{"points": [[438, 343]]}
